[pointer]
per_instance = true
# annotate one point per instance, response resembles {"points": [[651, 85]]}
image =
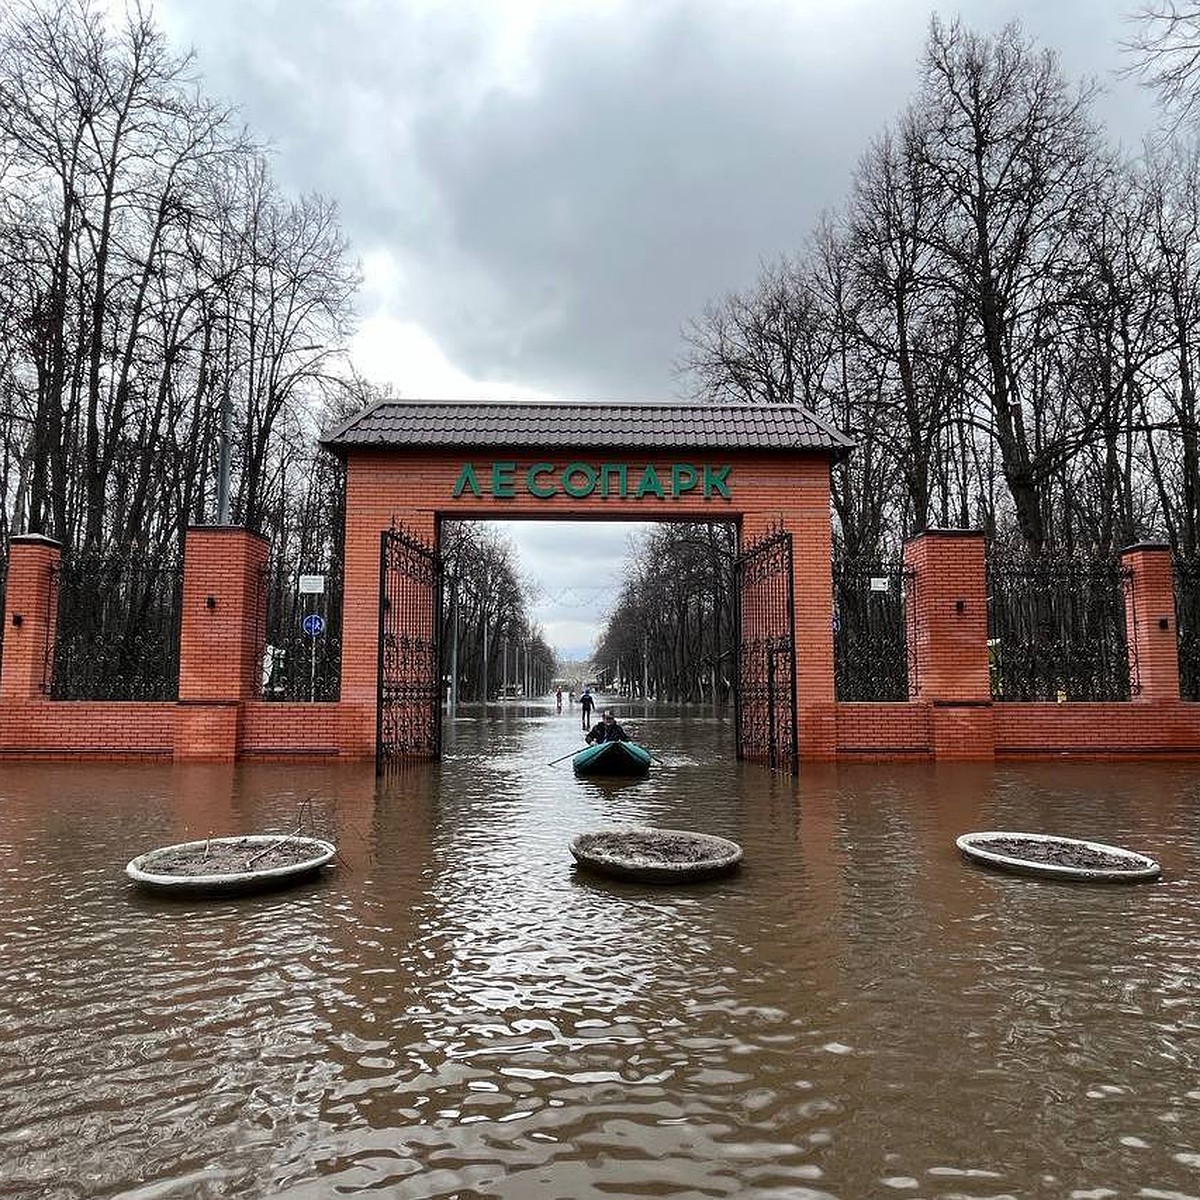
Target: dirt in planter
{"points": [[228, 858], [651, 848], [1058, 854]]}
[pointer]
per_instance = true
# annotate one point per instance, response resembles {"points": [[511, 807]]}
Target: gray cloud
{"points": [[559, 215], [559, 201]]}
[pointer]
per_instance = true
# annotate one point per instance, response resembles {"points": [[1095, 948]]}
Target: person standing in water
{"points": [[586, 703]]}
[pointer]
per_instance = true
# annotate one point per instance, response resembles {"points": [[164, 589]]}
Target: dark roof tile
{"points": [[459, 425]]}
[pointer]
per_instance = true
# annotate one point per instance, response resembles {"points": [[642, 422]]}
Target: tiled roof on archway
{"points": [[407, 424]]}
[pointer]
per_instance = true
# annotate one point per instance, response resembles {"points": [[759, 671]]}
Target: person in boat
{"points": [[586, 703], [607, 730]]}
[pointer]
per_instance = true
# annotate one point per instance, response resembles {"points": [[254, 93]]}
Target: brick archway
{"points": [[417, 464]]}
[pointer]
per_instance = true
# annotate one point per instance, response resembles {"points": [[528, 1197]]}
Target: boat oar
{"points": [[571, 755]]}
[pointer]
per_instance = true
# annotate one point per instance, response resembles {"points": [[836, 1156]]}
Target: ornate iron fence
{"points": [[1187, 620], [118, 629], [1056, 629], [871, 654], [302, 655]]}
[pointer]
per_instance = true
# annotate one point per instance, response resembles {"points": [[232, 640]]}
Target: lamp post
{"points": [[226, 437]]}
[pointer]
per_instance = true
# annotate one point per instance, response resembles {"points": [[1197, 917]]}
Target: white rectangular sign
{"points": [[880, 583], [312, 585]]}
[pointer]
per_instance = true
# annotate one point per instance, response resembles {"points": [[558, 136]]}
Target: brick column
{"points": [[947, 627], [31, 614], [804, 513], [374, 499], [222, 627], [1150, 632]]}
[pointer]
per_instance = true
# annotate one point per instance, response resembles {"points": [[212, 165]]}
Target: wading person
{"points": [[608, 730], [585, 704]]}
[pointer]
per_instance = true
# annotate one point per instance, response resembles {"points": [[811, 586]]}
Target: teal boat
{"points": [[612, 758]]}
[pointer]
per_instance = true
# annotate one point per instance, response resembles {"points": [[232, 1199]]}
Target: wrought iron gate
{"points": [[1187, 621], [409, 700], [765, 710]]}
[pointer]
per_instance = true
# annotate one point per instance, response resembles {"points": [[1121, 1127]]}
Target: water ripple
{"points": [[457, 1011]]}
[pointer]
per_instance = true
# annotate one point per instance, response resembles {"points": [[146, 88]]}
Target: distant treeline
{"points": [[672, 633], [485, 616]]}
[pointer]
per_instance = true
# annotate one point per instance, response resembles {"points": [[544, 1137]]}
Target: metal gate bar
{"points": [[409, 696], [765, 711]]}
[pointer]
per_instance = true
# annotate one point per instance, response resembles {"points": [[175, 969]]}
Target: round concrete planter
{"points": [[1054, 857], [656, 855], [180, 869]]}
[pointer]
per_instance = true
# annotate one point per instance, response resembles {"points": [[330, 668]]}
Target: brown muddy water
{"points": [[454, 1011]]}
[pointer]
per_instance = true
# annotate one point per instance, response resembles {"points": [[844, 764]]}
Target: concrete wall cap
{"points": [[933, 532], [229, 529], [34, 539]]}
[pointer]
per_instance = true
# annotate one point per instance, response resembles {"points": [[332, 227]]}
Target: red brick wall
{"points": [[894, 730], [1097, 730], [224, 608], [272, 730], [88, 729], [1150, 622], [32, 618], [218, 717], [948, 623], [764, 490], [949, 679]]}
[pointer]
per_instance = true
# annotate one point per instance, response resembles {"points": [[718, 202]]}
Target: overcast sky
{"points": [[542, 193]]}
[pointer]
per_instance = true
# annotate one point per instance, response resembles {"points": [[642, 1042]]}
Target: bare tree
{"points": [[758, 346], [154, 283], [289, 314], [1170, 398], [896, 207], [1012, 147], [672, 632], [1164, 54]]}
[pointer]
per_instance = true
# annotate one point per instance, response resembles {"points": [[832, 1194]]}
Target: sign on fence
{"points": [[312, 585]]}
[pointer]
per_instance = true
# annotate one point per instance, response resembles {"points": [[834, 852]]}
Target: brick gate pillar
{"points": [[31, 615], [812, 550], [221, 636], [378, 495], [947, 628], [1150, 631], [803, 510]]}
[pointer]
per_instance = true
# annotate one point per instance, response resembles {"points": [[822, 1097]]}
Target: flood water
{"points": [[455, 1011]]}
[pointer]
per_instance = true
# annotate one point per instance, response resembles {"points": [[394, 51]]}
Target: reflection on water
{"points": [[455, 1012]]}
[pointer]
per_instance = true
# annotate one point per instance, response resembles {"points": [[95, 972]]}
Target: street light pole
{"points": [[223, 455]]}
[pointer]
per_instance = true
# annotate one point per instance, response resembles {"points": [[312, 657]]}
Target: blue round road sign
{"points": [[313, 624]]}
